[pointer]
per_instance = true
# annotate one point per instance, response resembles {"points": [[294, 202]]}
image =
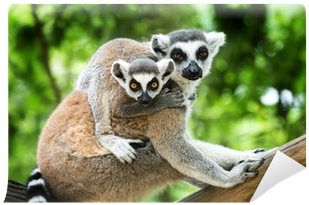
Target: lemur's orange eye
{"points": [[133, 85], [203, 53], [176, 55], [154, 85]]}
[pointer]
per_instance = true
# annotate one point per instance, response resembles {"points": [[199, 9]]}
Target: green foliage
{"points": [[265, 53]]}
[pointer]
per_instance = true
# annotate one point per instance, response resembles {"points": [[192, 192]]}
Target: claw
{"points": [[258, 150]]}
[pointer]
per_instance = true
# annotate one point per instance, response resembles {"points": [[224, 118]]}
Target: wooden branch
{"points": [[16, 192], [296, 149]]}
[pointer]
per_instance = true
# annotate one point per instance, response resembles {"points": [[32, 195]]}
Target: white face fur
{"points": [[143, 79], [191, 50]]}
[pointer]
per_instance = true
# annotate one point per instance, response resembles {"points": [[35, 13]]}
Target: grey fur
{"points": [[186, 35], [143, 65]]}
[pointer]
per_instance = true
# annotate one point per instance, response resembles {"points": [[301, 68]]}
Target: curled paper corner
{"points": [[281, 168], [289, 190]]}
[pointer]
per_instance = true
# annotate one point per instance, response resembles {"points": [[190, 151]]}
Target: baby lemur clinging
{"points": [[76, 167], [143, 80]]}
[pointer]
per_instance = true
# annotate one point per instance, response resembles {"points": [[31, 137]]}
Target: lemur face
{"points": [[143, 87], [143, 79], [190, 58], [191, 50]]}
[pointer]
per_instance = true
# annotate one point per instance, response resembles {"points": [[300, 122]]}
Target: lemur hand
{"points": [[169, 99], [120, 147]]}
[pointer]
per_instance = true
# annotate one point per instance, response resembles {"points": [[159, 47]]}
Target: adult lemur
{"points": [[76, 167]]}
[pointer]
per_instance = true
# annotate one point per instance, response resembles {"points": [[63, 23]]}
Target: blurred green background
{"points": [[254, 97]]}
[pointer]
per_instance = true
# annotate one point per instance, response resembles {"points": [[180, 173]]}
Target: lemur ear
{"points": [[166, 67], [215, 40], [159, 45], [120, 70]]}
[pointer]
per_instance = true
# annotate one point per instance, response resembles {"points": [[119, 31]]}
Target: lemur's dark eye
{"points": [[176, 55], [203, 54]]}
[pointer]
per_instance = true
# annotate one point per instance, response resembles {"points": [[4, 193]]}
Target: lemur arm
{"points": [[189, 160], [165, 99]]}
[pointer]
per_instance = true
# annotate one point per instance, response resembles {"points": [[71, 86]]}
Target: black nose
{"points": [[193, 69], [192, 72], [144, 99]]}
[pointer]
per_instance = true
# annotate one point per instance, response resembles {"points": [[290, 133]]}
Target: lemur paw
{"points": [[120, 147], [174, 98], [246, 168], [253, 161], [124, 151]]}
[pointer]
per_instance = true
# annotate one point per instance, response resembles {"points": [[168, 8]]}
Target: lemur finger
{"points": [[134, 141], [179, 92], [174, 92], [238, 162], [124, 152], [257, 164], [125, 156], [165, 90], [251, 174], [258, 150], [180, 96], [128, 159], [177, 96], [121, 160], [129, 148], [128, 153], [253, 164]]}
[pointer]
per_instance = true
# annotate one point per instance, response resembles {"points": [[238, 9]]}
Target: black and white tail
{"points": [[36, 189]]}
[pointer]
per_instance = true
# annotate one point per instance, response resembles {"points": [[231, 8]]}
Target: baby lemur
{"points": [[76, 167], [143, 80]]}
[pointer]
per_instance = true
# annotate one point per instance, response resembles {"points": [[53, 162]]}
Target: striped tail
{"points": [[36, 189]]}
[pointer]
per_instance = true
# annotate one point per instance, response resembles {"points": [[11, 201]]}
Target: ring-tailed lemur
{"points": [[191, 53], [72, 161]]}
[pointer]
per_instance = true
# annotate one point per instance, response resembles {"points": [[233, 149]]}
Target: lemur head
{"points": [[191, 50], [143, 78]]}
